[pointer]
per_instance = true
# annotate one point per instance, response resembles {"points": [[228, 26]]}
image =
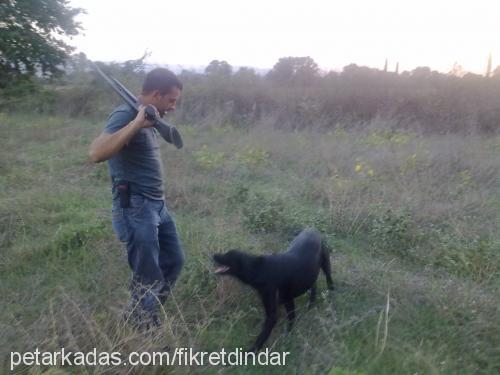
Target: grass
{"points": [[412, 221]]}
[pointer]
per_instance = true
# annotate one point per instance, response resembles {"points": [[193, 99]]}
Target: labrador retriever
{"points": [[279, 278]]}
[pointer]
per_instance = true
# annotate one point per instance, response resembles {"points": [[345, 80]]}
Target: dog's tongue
{"points": [[221, 269]]}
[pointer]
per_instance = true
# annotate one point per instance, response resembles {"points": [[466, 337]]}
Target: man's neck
{"points": [[145, 100]]}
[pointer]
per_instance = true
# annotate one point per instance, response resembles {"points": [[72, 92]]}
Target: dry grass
{"points": [[413, 221]]}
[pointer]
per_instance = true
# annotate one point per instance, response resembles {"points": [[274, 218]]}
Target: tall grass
{"points": [[412, 221]]}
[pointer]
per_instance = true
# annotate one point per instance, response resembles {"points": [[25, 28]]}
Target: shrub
{"points": [[264, 212], [395, 230], [71, 238], [252, 157], [476, 257], [209, 159]]}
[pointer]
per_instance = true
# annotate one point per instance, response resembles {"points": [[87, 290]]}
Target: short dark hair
{"points": [[160, 79]]}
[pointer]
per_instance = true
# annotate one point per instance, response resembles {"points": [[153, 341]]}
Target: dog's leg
{"points": [[270, 306], [312, 296], [290, 311], [326, 267]]}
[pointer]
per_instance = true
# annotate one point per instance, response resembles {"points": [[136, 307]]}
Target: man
{"points": [[140, 218]]}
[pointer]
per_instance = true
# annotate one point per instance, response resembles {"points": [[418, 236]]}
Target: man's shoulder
{"points": [[123, 109], [119, 117]]}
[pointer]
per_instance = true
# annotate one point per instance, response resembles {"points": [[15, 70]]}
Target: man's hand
{"points": [[141, 121]]}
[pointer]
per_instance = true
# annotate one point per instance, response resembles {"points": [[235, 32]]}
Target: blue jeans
{"points": [[153, 247]]}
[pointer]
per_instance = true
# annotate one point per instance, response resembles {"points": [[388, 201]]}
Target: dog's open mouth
{"points": [[221, 269]]}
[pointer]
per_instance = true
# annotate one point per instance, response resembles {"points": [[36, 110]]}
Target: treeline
{"points": [[294, 94]]}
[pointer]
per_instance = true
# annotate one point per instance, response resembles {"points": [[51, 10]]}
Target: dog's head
{"points": [[235, 263]]}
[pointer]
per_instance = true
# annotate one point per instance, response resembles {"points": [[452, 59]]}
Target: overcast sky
{"points": [[257, 33]]}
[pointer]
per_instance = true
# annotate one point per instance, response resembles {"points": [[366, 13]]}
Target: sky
{"points": [[256, 33]]}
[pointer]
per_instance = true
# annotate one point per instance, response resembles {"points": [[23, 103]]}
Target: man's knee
{"points": [[172, 257]]}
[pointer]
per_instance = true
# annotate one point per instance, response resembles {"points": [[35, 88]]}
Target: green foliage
{"points": [[341, 371], [395, 230], [70, 240], [239, 194], [264, 211], [252, 157], [293, 95], [79, 93], [220, 69], [209, 159], [294, 70], [302, 217], [64, 275], [387, 137], [11, 226], [31, 36], [272, 211], [30, 97], [246, 76], [476, 258]]}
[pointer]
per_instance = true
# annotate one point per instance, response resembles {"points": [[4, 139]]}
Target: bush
{"points": [[395, 230], [71, 239], [476, 257], [252, 157], [209, 159], [264, 212]]}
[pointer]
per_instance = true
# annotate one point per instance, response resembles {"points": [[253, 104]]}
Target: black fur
{"points": [[281, 277]]}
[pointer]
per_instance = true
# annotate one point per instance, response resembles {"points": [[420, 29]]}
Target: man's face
{"points": [[166, 103]]}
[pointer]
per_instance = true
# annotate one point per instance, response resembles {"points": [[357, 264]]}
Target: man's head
{"points": [[162, 89]]}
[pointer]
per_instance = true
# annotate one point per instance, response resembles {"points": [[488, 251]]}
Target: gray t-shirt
{"points": [[139, 161]]}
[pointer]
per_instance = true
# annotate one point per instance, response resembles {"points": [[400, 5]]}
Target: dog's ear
{"points": [[233, 251]]}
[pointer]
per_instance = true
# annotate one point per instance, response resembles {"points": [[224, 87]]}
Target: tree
{"points": [[246, 72], [301, 70], [421, 72], [219, 68], [246, 75], [31, 34], [457, 70]]}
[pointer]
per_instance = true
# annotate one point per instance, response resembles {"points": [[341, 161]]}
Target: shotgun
{"points": [[168, 132]]}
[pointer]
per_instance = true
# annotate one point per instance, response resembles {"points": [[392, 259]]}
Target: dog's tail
{"points": [[325, 262]]}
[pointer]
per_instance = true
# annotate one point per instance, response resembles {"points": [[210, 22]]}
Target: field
{"points": [[413, 221]]}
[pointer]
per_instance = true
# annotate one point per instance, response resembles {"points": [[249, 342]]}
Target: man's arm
{"points": [[106, 145]]}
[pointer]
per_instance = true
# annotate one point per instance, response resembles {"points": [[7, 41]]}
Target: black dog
{"points": [[280, 278]]}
